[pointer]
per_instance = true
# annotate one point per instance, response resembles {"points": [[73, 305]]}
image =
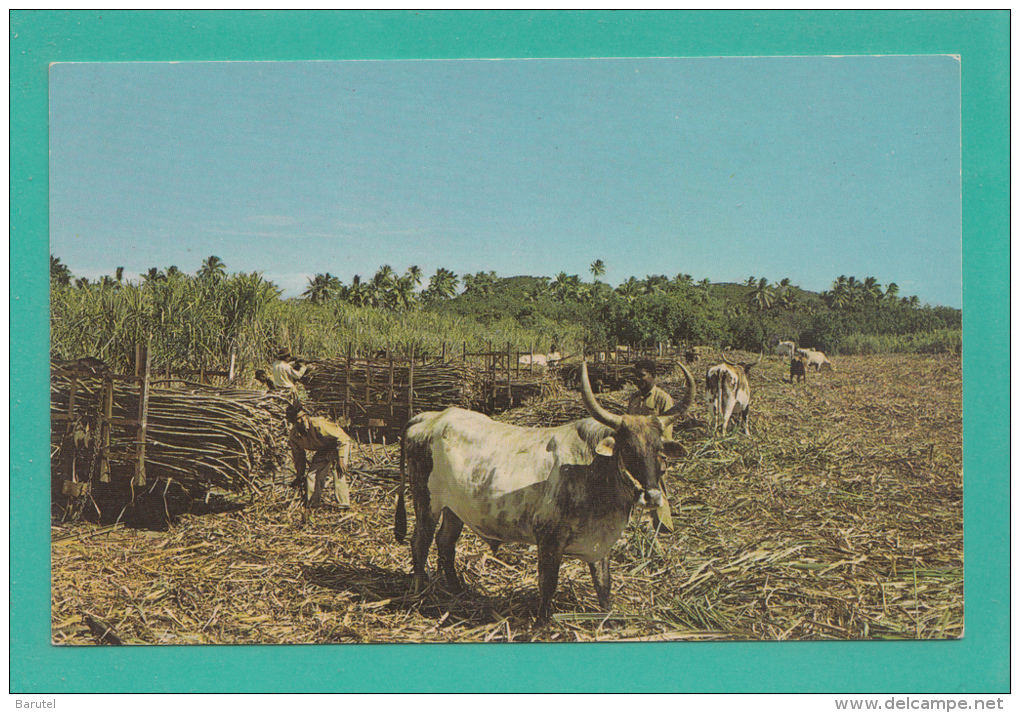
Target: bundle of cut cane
{"points": [[437, 385], [200, 436]]}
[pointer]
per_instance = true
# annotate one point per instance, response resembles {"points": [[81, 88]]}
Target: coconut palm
{"points": [[414, 272], [629, 290], [402, 293], [598, 269], [358, 294], [442, 285], [655, 284], [154, 274], [871, 290], [762, 298], [321, 288], [59, 272], [212, 268]]}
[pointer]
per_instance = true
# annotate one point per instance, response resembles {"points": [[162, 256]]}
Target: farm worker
{"points": [[287, 371], [651, 400], [330, 444]]}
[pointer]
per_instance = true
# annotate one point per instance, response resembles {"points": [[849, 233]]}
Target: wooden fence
{"points": [[79, 442]]}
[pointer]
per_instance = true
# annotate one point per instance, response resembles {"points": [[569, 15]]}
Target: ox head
{"points": [[637, 445]]}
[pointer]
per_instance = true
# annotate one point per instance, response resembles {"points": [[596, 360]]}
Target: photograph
{"points": [[509, 352], [653, 349]]}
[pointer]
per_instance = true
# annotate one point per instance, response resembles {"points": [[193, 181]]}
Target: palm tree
{"points": [[82, 283], [562, 287], [655, 284], [414, 272], [871, 290], [598, 269], [321, 288], [403, 296], [154, 274], [59, 272], [683, 281], [442, 285], [212, 268], [891, 290], [173, 272], [629, 290], [120, 274], [762, 298], [358, 294], [751, 281]]}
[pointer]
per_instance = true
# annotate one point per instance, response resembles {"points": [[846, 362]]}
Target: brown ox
{"points": [[815, 358], [569, 489], [798, 369], [727, 390]]}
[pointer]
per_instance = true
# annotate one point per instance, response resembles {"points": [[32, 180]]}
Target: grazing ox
{"points": [[785, 349], [815, 359], [727, 391], [798, 368], [569, 489]]}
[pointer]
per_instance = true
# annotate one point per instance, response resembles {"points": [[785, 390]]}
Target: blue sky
{"points": [[723, 168]]}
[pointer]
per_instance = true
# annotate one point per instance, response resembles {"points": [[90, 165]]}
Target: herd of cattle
{"points": [[569, 490]]}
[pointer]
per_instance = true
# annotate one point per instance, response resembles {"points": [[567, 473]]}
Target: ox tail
{"points": [[400, 519]]}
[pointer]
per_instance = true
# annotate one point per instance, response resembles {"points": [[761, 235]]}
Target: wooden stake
{"points": [[143, 413]]}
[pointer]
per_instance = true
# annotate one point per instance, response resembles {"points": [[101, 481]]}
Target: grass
{"points": [[840, 518]]}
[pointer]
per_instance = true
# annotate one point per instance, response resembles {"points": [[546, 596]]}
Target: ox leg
{"points": [[727, 414], [550, 555], [601, 579], [743, 420], [421, 540], [446, 545]]}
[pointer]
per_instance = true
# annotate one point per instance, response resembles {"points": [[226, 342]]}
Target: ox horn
{"points": [[593, 406], [680, 409], [723, 355]]}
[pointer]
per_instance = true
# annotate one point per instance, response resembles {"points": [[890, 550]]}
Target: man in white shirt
{"points": [[287, 371]]}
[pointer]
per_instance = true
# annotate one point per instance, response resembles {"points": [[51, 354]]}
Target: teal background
{"points": [[977, 663]]}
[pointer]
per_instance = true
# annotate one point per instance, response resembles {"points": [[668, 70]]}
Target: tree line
{"points": [[200, 317]]}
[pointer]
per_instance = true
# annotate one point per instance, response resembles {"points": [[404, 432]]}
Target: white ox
{"points": [[540, 359], [815, 358], [728, 391], [785, 349], [569, 489]]}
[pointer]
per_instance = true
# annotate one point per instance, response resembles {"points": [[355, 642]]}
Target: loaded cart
{"points": [[126, 431]]}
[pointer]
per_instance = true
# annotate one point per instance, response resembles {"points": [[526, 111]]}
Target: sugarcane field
{"points": [[837, 515], [623, 349]]}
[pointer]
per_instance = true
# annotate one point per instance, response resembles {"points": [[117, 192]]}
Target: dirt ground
{"points": [[841, 517]]}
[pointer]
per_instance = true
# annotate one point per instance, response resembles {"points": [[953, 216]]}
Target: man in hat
{"points": [[651, 400], [330, 445], [287, 371]]}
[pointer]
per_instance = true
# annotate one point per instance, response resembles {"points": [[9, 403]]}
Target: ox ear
{"points": [[605, 446], [673, 449]]}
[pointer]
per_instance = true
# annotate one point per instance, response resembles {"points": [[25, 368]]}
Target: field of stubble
{"points": [[840, 518]]}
